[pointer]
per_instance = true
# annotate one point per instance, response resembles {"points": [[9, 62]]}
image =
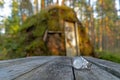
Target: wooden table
{"points": [[57, 68]]}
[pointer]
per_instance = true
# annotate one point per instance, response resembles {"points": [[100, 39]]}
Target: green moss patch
{"points": [[115, 57]]}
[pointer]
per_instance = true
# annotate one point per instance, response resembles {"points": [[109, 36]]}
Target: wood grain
{"points": [[94, 74], [55, 70], [11, 72], [111, 67]]}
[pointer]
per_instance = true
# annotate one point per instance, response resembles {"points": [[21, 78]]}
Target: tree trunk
{"points": [[24, 17], [101, 29], [36, 5], [63, 2], [100, 36], [57, 2], [119, 5], [42, 4]]}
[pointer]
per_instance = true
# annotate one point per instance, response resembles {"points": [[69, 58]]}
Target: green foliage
{"points": [[115, 57], [10, 43], [26, 7], [29, 22], [39, 31], [10, 48], [3, 50], [1, 3], [12, 23], [35, 45], [106, 8], [35, 20], [33, 29], [3, 53]]}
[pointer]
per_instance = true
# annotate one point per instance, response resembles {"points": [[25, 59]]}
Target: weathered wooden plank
{"points": [[11, 72], [7, 63], [94, 74], [55, 70], [111, 67]]}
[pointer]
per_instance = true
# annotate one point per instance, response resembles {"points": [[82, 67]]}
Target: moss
{"points": [[35, 26], [34, 46], [64, 12], [28, 23], [39, 31], [115, 57], [57, 13]]}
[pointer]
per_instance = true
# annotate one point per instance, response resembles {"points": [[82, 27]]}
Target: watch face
{"points": [[78, 63], [81, 63]]}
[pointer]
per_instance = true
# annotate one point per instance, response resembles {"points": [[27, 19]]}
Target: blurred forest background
{"points": [[101, 19]]}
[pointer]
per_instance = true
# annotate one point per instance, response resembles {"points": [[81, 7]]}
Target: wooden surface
{"points": [[109, 66], [57, 68]]}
